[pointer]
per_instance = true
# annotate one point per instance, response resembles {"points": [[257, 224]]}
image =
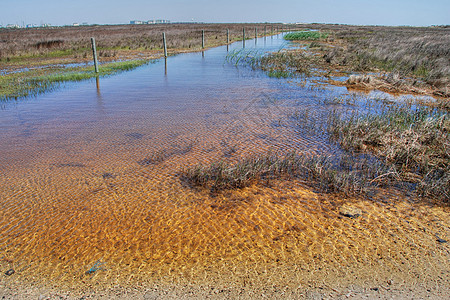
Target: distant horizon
{"points": [[415, 13], [3, 26]]}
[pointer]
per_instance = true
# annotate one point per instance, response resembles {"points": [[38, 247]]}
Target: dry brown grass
{"points": [[112, 40], [404, 59], [420, 53]]}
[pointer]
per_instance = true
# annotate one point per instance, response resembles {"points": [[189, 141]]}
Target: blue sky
{"points": [[370, 12]]}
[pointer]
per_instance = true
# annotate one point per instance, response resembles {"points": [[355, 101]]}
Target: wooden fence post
{"points": [[94, 53], [164, 45], [203, 39], [243, 36], [228, 36], [256, 32]]}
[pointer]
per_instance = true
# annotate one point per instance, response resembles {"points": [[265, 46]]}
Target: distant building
{"points": [[76, 24], [137, 22], [12, 26], [161, 21]]}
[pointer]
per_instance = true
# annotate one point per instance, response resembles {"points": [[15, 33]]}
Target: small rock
{"points": [[441, 240], [350, 211], [10, 272]]}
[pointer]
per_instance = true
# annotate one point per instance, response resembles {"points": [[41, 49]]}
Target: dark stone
{"points": [[10, 272], [441, 240], [108, 176], [349, 211]]}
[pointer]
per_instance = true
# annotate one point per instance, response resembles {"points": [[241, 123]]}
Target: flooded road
{"points": [[90, 193]]}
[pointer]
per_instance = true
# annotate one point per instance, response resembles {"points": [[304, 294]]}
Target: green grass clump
{"points": [[23, 84], [305, 36]]}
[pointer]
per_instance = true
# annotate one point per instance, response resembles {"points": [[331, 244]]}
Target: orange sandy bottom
{"points": [[147, 231], [73, 203]]}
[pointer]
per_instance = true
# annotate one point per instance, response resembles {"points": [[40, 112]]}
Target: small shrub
{"points": [[305, 36]]}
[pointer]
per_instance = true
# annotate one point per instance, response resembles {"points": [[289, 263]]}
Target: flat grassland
{"points": [[41, 46]]}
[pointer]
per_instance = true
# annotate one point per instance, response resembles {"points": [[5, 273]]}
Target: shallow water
{"points": [[79, 185]]}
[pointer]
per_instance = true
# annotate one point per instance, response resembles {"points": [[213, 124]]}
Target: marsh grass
{"points": [[326, 173], [34, 82], [245, 57], [414, 141], [280, 64]]}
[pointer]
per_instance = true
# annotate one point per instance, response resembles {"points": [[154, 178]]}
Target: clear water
{"points": [[74, 190]]}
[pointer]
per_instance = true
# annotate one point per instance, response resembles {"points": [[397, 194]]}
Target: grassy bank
{"points": [[22, 84], [392, 59]]}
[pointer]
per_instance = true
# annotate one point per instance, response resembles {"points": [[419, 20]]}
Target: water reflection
{"points": [[165, 66], [97, 80], [100, 105]]}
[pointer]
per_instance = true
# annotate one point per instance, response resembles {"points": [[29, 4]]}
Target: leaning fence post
{"points": [[165, 45], [203, 39], [94, 53]]}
